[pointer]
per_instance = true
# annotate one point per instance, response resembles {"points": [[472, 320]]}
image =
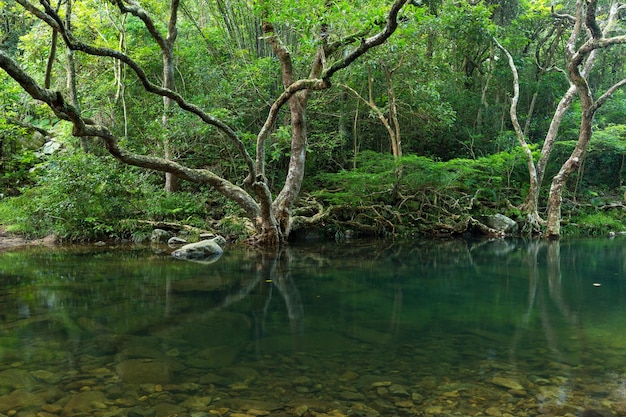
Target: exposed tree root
{"points": [[172, 226]]}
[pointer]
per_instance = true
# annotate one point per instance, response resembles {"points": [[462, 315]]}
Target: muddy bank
{"points": [[9, 241]]}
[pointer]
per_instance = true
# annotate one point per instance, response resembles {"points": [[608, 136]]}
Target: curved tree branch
{"points": [[54, 21], [369, 43], [85, 128]]}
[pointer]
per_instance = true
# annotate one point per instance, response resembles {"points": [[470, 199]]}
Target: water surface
{"points": [[428, 328]]}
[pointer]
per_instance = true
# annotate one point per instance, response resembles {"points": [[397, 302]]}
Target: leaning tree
{"points": [[338, 44]]}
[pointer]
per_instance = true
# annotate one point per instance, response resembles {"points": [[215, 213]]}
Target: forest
{"points": [[273, 120]]}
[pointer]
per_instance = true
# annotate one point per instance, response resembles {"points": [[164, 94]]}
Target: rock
{"points": [[18, 399], [85, 403], [348, 376], [300, 410], [16, 378], [175, 241], [509, 383], [398, 390], [167, 410], [197, 403], [240, 373], [500, 223], [303, 381], [211, 378], [493, 412], [207, 251], [160, 236], [434, 410], [91, 326], [140, 412], [351, 396], [213, 357], [144, 371]]}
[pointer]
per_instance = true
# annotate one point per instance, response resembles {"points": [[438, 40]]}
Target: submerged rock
{"points": [[85, 403], [144, 371], [18, 399], [206, 250], [507, 382], [16, 378]]}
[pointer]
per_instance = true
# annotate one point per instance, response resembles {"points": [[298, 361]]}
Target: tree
{"points": [[338, 45], [580, 61], [578, 56]]}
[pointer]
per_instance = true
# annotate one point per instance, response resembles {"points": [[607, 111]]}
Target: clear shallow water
{"points": [[497, 328]]}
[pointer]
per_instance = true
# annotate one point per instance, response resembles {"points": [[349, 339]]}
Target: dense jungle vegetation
{"points": [[263, 119]]}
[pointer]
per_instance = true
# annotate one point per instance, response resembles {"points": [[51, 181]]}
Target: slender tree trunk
{"points": [[71, 72], [394, 124], [167, 49], [390, 121], [532, 170], [531, 111], [53, 51]]}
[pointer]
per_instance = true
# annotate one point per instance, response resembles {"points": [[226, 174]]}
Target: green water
{"points": [[497, 328]]}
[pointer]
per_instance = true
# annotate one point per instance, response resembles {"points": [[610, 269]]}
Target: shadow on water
{"points": [[428, 328]]}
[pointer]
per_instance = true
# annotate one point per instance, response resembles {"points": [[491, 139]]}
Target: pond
{"points": [[497, 328]]}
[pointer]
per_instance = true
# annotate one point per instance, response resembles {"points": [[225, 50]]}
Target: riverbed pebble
{"points": [[154, 383]]}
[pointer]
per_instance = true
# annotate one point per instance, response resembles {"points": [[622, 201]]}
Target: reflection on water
{"points": [[500, 328]]}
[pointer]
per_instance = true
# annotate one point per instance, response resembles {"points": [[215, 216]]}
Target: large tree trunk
{"points": [[553, 229]]}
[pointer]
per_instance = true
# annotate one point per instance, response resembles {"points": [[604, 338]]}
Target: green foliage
{"points": [[612, 112], [451, 90], [17, 172], [81, 196], [183, 206], [604, 165], [370, 182], [495, 178], [77, 195], [599, 223]]}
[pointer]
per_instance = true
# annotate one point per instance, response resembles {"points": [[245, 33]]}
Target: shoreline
{"points": [[9, 241]]}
